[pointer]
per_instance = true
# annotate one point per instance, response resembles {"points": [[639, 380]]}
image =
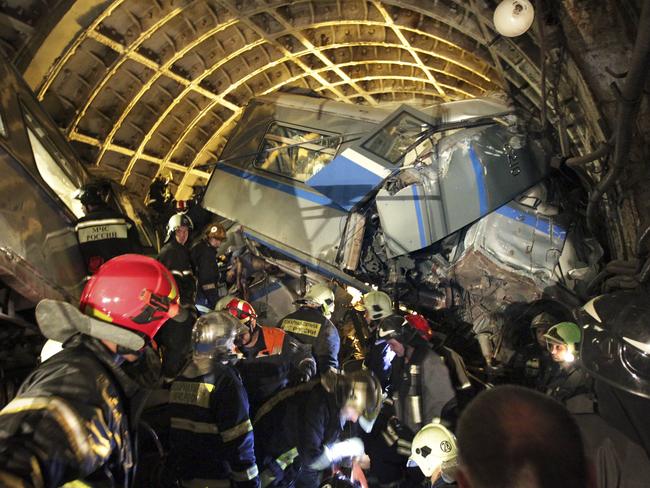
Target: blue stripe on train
{"points": [[541, 224], [276, 185]]}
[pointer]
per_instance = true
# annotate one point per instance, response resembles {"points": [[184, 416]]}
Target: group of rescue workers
{"points": [[249, 405]]}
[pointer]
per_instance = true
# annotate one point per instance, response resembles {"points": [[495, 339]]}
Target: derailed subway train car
{"points": [[39, 252], [404, 199], [40, 256]]}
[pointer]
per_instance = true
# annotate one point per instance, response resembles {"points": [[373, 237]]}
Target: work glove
{"points": [[352, 447], [306, 370], [335, 452]]}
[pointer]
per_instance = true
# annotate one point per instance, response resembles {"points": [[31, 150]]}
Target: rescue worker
{"points": [[378, 305], [271, 359], [298, 431], [415, 400], [310, 324], [103, 232], [570, 381], [199, 216], [74, 417], [615, 351], [532, 365], [539, 327], [434, 451], [418, 398], [160, 205], [176, 256], [210, 268], [211, 435]]}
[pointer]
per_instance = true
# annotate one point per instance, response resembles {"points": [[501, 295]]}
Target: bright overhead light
{"points": [[513, 17]]}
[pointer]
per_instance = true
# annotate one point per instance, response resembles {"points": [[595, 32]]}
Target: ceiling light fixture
{"points": [[513, 17]]}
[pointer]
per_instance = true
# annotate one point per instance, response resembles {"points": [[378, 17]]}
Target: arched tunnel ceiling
{"points": [[143, 88]]}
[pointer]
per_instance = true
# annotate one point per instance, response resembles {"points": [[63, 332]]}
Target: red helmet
{"points": [[242, 310], [419, 323], [132, 291]]}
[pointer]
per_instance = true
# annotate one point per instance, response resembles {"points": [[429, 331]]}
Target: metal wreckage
{"points": [[453, 209]]}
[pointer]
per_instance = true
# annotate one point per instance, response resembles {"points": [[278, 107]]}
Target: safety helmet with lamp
{"points": [[216, 231], [616, 344], [176, 221], [567, 334], [213, 339], [434, 447], [323, 296], [377, 304]]}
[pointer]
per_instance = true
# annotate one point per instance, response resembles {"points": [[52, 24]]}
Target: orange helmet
{"points": [[131, 291], [217, 231]]}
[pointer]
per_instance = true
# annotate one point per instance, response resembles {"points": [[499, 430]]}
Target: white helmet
{"points": [[178, 220], [322, 295], [433, 447], [378, 304]]}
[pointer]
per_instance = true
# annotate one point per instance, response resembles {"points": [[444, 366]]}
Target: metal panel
{"points": [[483, 168], [275, 206], [320, 267], [404, 219], [307, 220], [348, 178], [520, 238]]}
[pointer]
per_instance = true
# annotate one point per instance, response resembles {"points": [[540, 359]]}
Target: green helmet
{"points": [[567, 333]]}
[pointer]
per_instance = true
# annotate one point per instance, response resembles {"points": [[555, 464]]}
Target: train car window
{"points": [[296, 153], [395, 136], [52, 166]]}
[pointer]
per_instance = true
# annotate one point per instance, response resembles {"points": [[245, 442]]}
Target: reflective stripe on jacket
{"points": [[211, 433], [69, 422]]}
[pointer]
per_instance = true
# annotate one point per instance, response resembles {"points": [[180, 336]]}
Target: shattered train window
{"points": [[52, 165], [297, 153], [396, 136]]}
